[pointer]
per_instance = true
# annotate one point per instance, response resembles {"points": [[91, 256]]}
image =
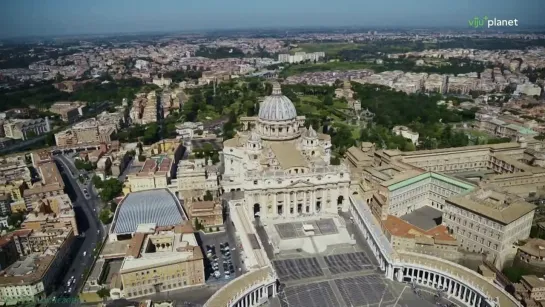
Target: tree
{"points": [[540, 137], [335, 161], [111, 188], [103, 293], [198, 224], [328, 100], [15, 219], [208, 196], [215, 158], [105, 216], [97, 182], [85, 165]]}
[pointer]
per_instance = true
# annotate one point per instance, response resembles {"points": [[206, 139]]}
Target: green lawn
{"points": [[328, 48]]}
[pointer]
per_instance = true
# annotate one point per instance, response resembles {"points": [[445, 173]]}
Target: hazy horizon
{"points": [[24, 18]]}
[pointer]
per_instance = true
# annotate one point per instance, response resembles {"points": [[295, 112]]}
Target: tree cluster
{"points": [[109, 188], [219, 53], [207, 152], [84, 165]]}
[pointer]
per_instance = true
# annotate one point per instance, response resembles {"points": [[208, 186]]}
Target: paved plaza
{"points": [[344, 274], [295, 229], [294, 269]]}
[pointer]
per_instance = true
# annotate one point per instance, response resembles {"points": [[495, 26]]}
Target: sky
{"points": [[19, 18]]}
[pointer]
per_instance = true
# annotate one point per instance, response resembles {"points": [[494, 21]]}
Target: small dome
{"points": [[277, 107], [311, 133], [254, 137]]}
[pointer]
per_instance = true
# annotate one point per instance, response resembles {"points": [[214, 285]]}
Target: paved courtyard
{"points": [[425, 218]]}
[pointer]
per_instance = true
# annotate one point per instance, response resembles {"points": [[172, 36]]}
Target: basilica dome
{"points": [[277, 107]]}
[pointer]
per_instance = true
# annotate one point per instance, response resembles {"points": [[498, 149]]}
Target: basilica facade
{"points": [[281, 167]]}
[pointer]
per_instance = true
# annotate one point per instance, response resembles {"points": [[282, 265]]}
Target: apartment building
{"points": [[5, 208], [300, 57], [160, 260], [54, 212], [489, 221], [32, 277], [51, 184], [90, 131]]}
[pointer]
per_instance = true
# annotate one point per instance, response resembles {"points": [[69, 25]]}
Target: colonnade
{"points": [[292, 203], [362, 225], [257, 296], [451, 286]]}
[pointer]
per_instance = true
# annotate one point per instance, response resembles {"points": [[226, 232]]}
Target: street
{"points": [[88, 224]]}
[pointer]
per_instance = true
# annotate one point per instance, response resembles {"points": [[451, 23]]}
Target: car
{"points": [[69, 283], [217, 274], [85, 191], [227, 275], [84, 254], [70, 290], [232, 270]]}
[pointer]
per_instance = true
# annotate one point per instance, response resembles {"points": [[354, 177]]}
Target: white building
{"points": [[406, 133], [300, 57], [528, 89], [281, 166], [162, 82]]}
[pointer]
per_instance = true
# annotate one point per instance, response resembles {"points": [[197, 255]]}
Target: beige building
{"points": [[503, 129], [208, 213], [22, 129], [532, 255], [53, 212], [90, 131], [196, 175], [51, 184], [534, 286], [160, 261], [490, 222], [154, 174], [32, 278], [517, 167], [68, 111], [395, 191]]}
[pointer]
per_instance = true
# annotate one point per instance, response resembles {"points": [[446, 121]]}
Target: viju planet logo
{"points": [[492, 22]]}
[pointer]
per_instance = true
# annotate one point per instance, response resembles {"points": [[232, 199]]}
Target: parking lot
{"points": [[220, 262]]}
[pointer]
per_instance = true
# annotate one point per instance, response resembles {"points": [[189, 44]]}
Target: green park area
{"points": [[334, 117]]}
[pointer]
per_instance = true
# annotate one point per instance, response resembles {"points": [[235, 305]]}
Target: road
{"points": [[88, 223]]}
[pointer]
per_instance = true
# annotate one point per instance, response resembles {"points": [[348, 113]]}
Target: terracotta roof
{"points": [[400, 228], [136, 244]]}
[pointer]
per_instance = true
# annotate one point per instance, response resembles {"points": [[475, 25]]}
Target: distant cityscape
{"points": [[293, 168]]}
